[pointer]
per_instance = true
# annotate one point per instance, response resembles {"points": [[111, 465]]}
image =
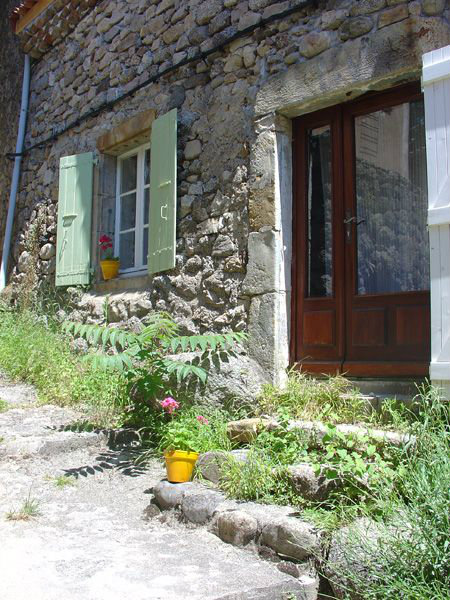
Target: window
{"points": [[132, 209]]}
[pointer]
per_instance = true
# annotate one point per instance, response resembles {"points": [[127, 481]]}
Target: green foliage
{"points": [[3, 405], [28, 510], [329, 398], [252, 479], [184, 431], [33, 350], [283, 446], [413, 548], [353, 460], [147, 359], [63, 481]]}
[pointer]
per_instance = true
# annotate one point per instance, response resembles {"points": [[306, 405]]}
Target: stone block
{"points": [[245, 430], [169, 495], [433, 7], [223, 246], [133, 129], [248, 19], [392, 15], [292, 538], [210, 464], [192, 149], [47, 251], [364, 7], [262, 273], [236, 527], [353, 28], [308, 485], [332, 19], [198, 506], [314, 43]]}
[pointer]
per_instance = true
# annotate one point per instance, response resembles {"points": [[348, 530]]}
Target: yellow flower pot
{"points": [[110, 268], [180, 465]]}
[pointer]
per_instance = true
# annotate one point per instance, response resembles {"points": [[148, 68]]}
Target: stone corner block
{"points": [[198, 505], [261, 275], [236, 527], [169, 495], [292, 538]]}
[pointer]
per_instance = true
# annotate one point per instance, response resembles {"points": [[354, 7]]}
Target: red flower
{"points": [[104, 239]]}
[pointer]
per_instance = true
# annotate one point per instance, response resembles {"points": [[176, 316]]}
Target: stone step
{"points": [[275, 533], [402, 389]]}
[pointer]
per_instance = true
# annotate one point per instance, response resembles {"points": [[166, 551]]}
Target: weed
{"points": [[412, 548], [3, 405], [28, 510], [63, 481], [330, 399]]}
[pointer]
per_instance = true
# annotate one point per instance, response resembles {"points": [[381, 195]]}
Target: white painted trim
{"points": [[436, 81], [436, 72], [440, 371], [439, 216]]}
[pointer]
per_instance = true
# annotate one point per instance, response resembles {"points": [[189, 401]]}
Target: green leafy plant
{"points": [[3, 405], [195, 429], [149, 358], [353, 460], [63, 481], [410, 557], [28, 510]]}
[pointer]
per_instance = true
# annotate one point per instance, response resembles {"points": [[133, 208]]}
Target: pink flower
{"points": [[202, 420], [169, 404]]}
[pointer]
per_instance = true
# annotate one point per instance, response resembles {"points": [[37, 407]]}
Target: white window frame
{"points": [[140, 229]]}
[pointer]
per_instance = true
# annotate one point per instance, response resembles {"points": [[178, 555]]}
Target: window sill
{"points": [[130, 280]]}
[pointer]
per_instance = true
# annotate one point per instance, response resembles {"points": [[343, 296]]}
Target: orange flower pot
{"points": [[110, 269], [180, 465]]}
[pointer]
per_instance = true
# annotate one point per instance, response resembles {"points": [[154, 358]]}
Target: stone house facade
{"points": [[212, 100]]}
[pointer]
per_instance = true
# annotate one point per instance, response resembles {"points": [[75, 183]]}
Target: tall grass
{"points": [[33, 350], [410, 558], [330, 398]]}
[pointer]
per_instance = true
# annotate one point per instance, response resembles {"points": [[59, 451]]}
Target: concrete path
{"points": [[89, 541]]}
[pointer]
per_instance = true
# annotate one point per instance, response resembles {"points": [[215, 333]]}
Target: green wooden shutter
{"points": [[73, 243], [163, 193]]}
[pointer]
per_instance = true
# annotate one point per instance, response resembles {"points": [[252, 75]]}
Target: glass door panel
{"points": [[391, 200], [319, 214]]}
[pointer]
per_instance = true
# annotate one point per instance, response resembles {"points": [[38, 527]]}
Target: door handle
{"points": [[348, 221]]}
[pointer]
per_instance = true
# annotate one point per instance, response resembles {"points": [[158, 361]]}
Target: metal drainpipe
{"points": [[16, 171]]}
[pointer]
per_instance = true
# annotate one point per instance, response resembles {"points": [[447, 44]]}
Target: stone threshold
{"points": [[274, 533]]}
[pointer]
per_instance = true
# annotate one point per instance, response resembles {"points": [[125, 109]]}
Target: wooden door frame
{"points": [[343, 115], [328, 116]]}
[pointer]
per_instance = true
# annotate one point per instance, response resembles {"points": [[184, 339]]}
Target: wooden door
{"points": [[361, 275]]}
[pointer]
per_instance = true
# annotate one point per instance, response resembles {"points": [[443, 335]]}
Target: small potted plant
{"points": [[179, 440], [108, 263]]}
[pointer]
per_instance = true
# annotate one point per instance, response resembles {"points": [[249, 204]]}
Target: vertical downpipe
{"points": [[16, 172]]}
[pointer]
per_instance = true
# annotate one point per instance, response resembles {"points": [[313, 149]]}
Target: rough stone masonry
{"points": [[235, 107]]}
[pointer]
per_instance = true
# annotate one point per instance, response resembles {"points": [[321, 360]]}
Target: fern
{"points": [[148, 359]]}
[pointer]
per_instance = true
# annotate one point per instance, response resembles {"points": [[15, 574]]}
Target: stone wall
{"points": [[234, 149], [11, 69]]}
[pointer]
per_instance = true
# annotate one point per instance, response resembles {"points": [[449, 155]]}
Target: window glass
{"points": [[147, 168], [320, 239], [391, 196], [128, 211], [127, 250], [146, 205], [129, 174]]}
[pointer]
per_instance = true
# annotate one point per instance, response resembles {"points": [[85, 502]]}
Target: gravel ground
{"points": [[89, 540]]}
